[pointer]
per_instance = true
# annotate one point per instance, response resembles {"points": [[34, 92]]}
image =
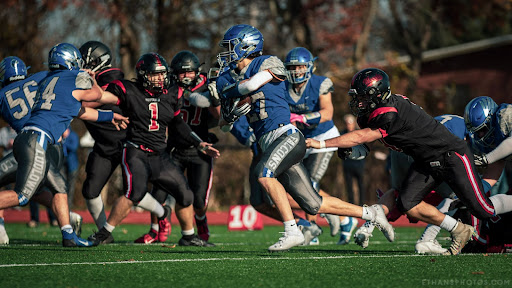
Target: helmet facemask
{"points": [[300, 75], [360, 104]]}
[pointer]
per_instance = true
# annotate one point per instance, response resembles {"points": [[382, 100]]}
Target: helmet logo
{"points": [[372, 81]]}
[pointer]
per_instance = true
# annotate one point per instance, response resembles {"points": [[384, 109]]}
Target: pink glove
{"points": [[297, 118]]}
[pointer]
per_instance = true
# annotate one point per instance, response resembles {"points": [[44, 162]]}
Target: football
{"points": [[244, 100]]}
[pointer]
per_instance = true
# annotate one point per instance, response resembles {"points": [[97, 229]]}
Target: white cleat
{"points": [[381, 222], [363, 234], [310, 232], [315, 241], [286, 242], [4, 239], [334, 223], [429, 247]]}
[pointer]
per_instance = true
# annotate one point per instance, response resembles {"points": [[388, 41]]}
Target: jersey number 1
{"points": [[153, 125]]}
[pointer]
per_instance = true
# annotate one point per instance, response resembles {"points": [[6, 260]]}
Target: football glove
{"points": [[481, 160], [231, 112]]}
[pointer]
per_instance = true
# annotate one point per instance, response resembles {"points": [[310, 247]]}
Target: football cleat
{"points": [[76, 223], [101, 237], [363, 234], [4, 239], [164, 230], [287, 241], [194, 241], [429, 247], [315, 241], [310, 232], [71, 240], [461, 235], [334, 223], [346, 231], [381, 222], [202, 229], [147, 238]]}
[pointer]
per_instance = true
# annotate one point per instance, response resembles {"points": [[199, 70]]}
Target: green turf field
{"points": [[35, 259]]}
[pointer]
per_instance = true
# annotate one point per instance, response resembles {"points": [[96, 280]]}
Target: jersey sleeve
{"points": [[275, 66], [84, 81], [326, 87], [382, 119], [505, 116], [117, 88]]}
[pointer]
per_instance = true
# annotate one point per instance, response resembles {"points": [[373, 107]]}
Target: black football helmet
{"points": [[185, 61], [96, 55], [368, 88], [152, 63]]}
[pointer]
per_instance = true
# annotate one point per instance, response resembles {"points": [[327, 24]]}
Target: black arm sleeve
{"points": [[179, 128]]}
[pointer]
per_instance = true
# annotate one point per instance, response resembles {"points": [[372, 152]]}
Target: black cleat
{"points": [[101, 237], [194, 240]]}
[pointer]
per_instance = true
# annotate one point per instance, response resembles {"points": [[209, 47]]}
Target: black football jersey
{"points": [[149, 115], [107, 139], [195, 117], [406, 127]]}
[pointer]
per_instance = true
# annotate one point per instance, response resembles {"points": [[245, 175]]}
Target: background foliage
{"points": [[346, 35]]}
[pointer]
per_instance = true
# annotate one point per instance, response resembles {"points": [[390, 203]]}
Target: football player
{"points": [[37, 148], [438, 154], [153, 106], [309, 98], [261, 78], [185, 71]]}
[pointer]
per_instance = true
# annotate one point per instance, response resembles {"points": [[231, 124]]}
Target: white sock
{"points": [[67, 228], [97, 211], [430, 232], [155, 226], [367, 213], [149, 203], [109, 227], [449, 223], [187, 232], [345, 221], [502, 203], [291, 227]]}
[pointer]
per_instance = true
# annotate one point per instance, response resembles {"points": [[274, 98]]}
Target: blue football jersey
{"points": [[454, 123], [269, 109], [307, 100], [55, 105], [17, 100]]}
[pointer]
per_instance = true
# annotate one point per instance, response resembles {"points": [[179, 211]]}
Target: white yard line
{"points": [[219, 259]]}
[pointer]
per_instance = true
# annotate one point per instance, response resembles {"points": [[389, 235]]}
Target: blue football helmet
{"points": [[299, 56], [65, 56], [12, 69], [240, 41], [479, 119]]}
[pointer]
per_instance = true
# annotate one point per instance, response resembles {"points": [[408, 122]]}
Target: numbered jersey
{"points": [[107, 139], [17, 100], [55, 105], [150, 115], [307, 100], [269, 108], [454, 124], [195, 117], [406, 127]]}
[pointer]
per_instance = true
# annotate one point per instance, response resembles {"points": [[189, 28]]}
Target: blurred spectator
{"points": [[353, 169]]}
